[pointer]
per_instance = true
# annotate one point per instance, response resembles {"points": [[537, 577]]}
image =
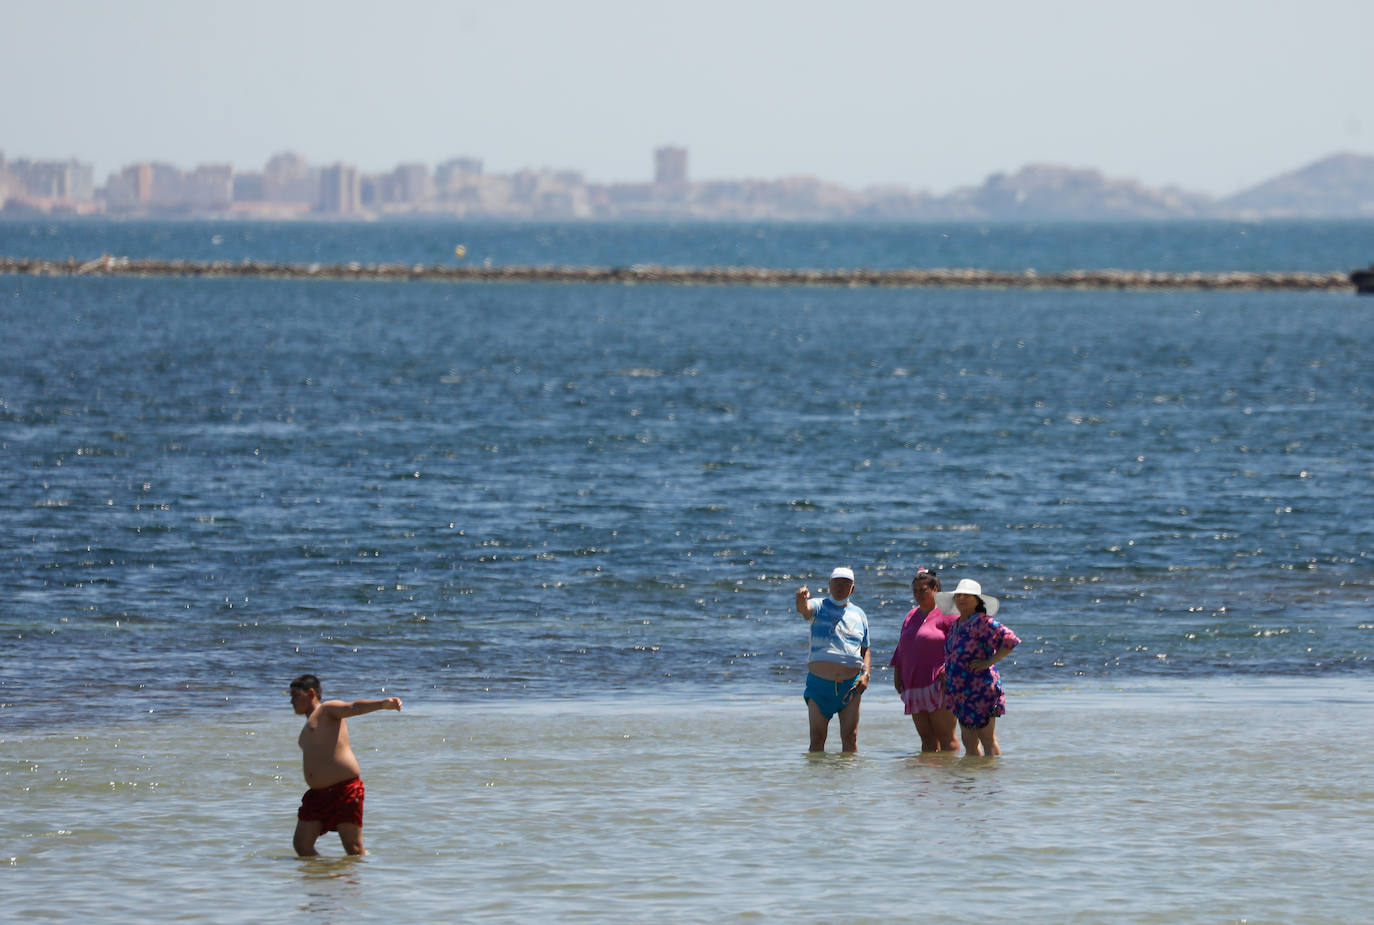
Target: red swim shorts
{"points": [[341, 803]]}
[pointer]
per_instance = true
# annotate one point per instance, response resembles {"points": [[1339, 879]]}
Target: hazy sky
{"points": [[1210, 95]]}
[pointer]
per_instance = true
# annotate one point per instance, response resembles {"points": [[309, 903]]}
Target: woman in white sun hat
{"points": [[974, 644]]}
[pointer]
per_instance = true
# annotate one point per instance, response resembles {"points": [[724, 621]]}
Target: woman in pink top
{"points": [[919, 660]]}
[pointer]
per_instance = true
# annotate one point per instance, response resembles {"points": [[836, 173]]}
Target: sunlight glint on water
{"points": [[1147, 802]]}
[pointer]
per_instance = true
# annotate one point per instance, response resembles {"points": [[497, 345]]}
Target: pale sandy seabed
{"points": [[1224, 801]]}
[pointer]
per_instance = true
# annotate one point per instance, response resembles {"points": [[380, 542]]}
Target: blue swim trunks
{"points": [[831, 696]]}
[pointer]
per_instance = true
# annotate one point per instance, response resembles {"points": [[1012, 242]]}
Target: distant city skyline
{"points": [[290, 187], [1211, 96], [665, 164]]}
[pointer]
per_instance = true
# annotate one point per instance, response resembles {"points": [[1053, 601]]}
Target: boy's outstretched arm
{"points": [[338, 709]]}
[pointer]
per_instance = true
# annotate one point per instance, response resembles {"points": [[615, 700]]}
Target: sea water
{"points": [[1235, 801], [565, 524]]}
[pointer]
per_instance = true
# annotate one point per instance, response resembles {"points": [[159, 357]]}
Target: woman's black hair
{"points": [[927, 574]]}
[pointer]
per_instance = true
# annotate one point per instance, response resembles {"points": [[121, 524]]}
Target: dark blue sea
{"points": [[482, 491], [565, 524]]}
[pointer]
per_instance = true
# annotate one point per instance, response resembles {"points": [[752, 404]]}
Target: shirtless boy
{"points": [[334, 801]]}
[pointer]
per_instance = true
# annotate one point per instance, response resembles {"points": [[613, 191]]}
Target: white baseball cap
{"points": [[842, 572]]}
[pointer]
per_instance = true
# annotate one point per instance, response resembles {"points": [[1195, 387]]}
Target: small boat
{"points": [[1363, 280]]}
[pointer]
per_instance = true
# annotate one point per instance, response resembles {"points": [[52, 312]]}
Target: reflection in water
{"points": [[838, 761], [971, 779], [932, 759], [331, 883], [952, 779]]}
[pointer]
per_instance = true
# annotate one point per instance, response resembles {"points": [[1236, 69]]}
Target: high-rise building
{"points": [[131, 188], [288, 178], [340, 190], [249, 187], [209, 188], [670, 166], [413, 183], [457, 174], [55, 179], [168, 190]]}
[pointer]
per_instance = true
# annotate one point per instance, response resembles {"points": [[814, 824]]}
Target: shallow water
{"points": [[1151, 802]]}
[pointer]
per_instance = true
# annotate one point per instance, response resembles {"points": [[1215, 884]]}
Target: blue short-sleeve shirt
{"points": [[839, 632]]}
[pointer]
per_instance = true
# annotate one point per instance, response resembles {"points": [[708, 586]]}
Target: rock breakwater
{"points": [[662, 275]]}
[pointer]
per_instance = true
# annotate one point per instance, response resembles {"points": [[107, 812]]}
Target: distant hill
{"points": [[1339, 186], [1042, 191]]}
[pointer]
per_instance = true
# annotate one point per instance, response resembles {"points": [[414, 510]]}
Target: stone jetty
{"points": [[717, 276]]}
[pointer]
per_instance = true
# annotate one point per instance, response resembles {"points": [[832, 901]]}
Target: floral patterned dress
{"points": [[975, 696]]}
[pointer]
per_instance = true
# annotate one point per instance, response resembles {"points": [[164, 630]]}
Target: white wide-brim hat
{"points": [[966, 586]]}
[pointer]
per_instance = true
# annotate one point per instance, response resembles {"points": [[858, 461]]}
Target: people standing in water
{"points": [[838, 669], [919, 666], [975, 643], [334, 802]]}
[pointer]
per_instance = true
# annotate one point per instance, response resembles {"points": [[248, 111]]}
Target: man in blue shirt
{"points": [[837, 672]]}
